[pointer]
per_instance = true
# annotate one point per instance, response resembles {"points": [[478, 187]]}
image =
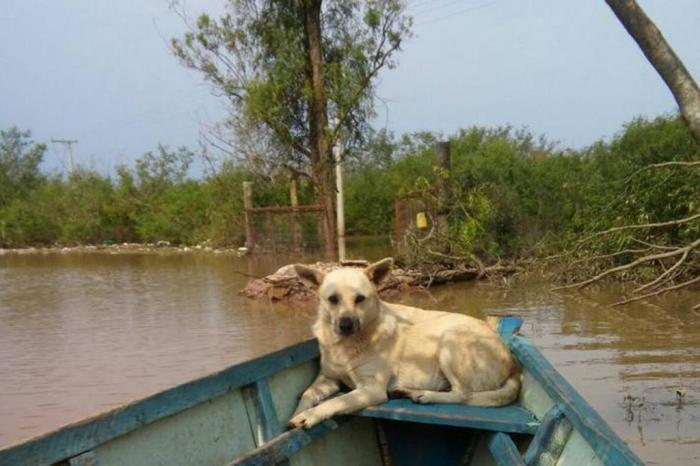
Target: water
{"points": [[82, 333]]}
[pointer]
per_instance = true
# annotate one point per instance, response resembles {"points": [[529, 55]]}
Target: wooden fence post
{"points": [[294, 198], [444, 163], [247, 207]]}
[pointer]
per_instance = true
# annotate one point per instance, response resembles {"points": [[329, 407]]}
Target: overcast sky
{"points": [[100, 71]]}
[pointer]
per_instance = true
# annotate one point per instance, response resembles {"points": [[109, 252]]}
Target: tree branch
{"points": [[630, 265], [638, 227], [660, 279], [661, 165], [657, 293]]}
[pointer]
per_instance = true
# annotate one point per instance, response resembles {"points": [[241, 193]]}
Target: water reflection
{"points": [[82, 333]]}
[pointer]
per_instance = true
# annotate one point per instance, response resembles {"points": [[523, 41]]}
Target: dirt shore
{"points": [[161, 246]]}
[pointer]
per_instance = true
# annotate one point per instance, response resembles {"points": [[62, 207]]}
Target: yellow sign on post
{"points": [[421, 220]]}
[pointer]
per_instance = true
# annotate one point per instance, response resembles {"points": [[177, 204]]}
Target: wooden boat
{"points": [[238, 416]]}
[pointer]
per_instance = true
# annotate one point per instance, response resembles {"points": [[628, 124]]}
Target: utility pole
{"points": [[68, 143], [340, 200]]}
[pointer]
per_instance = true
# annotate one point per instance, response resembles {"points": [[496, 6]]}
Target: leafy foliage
{"points": [[513, 195], [19, 164], [516, 195], [256, 56]]}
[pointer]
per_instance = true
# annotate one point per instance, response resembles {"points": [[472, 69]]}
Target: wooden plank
{"points": [[285, 209], [578, 451], [504, 450], [549, 440], [87, 434], [533, 397], [353, 443], [85, 459], [509, 325], [285, 445], [267, 425], [210, 433], [285, 387], [609, 447], [510, 418]]}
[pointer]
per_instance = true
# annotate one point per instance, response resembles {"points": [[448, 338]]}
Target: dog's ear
{"points": [[379, 270], [310, 276]]}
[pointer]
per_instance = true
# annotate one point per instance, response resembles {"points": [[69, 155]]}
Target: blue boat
{"points": [[238, 416]]}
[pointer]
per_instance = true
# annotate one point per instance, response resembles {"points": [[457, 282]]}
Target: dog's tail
{"points": [[505, 394]]}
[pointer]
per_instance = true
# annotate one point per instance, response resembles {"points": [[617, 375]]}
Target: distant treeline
{"points": [[513, 194]]}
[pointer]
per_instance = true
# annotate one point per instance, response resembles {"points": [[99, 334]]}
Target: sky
{"points": [[100, 71]]}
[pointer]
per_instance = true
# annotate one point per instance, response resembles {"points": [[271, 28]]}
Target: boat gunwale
{"points": [[84, 435], [607, 445]]}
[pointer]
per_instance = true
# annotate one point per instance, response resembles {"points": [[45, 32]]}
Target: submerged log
{"points": [[285, 285]]}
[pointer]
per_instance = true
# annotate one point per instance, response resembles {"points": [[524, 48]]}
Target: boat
{"points": [[238, 417]]}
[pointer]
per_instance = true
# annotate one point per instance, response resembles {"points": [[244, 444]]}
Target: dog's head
{"points": [[348, 298]]}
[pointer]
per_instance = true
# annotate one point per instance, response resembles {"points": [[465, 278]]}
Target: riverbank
{"points": [[160, 246]]}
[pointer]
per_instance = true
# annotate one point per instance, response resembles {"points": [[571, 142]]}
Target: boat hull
{"points": [[238, 417]]}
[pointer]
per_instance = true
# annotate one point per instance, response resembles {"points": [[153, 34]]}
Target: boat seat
{"points": [[510, 419]]}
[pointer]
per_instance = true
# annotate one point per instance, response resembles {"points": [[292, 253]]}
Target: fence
{"points": [[278, 229]]}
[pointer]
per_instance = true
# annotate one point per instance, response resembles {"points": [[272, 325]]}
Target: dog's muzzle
{"points": [[347, 326]]}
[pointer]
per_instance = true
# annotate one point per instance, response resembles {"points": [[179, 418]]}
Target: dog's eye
{"points": [[333, 299], [359, 298]]}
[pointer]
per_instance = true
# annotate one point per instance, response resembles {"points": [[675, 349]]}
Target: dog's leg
{"points": [[430, 396], [357, 399], [319, 390], [452, 367], [475, 378]]}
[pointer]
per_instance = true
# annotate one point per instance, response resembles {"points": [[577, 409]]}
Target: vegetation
{"points": [[285, 67], [154, 201], [514, 195]]}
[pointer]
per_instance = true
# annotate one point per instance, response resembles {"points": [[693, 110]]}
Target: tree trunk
{"points": [[663, 59], [320, 163]]}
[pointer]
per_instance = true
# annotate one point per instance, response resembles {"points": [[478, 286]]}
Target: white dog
{"points": [[376, 348]]}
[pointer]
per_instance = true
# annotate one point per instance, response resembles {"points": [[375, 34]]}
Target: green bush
{"points": [[512, 194]]}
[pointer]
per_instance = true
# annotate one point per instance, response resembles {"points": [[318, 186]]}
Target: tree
{"points": [[678, 260], [288, 67], [663, 59], [19, 164]]}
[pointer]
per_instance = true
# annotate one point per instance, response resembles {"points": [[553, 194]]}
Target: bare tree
{"points": [[663, 59], [680, 262]]}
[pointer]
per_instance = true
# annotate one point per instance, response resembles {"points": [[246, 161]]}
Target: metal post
{"points": [[296, 231], [340, 208]]}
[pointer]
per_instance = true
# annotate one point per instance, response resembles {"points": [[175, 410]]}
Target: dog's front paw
{"points": [[420, 398], [417, 396], [305, 419]]}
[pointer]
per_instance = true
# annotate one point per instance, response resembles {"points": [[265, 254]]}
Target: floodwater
{"points": [[81, 333]]}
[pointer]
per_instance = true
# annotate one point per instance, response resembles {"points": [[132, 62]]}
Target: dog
{"points": [[377, 348]]}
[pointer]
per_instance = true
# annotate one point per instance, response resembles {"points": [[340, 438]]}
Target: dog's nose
{"points": [[346, 325]]}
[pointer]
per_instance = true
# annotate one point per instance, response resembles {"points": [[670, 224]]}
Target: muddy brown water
{"points": [[81, 333]]}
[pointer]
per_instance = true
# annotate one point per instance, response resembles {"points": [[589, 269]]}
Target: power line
{"points": [[456, 13], [432, 7]]}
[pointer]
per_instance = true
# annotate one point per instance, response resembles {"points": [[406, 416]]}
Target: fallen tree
{"points": [[678, 262], [285, 285]]}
